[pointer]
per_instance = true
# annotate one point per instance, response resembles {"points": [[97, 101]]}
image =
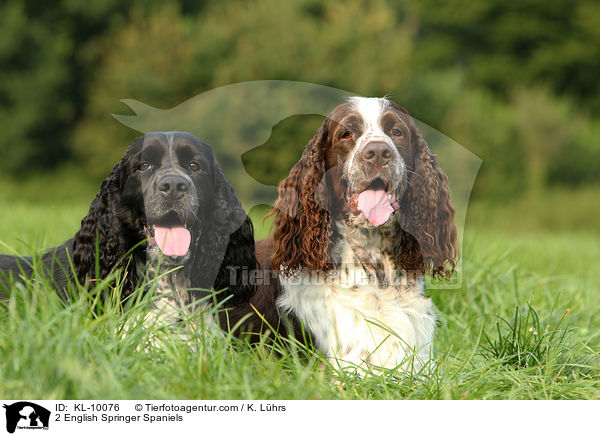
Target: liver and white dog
{"points": [[358, 221]]}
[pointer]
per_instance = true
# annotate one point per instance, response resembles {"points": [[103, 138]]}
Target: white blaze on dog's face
{"points": [[370, 144]]}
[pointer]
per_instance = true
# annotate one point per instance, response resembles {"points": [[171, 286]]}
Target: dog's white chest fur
{"points": [[173, 305], [353, 320]]}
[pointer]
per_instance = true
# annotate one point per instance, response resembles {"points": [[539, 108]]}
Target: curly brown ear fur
{"points": [[430, 237], [301, 238]]}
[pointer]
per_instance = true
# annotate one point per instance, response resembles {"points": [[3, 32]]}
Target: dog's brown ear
{"points": [[301, 227], [428, 215]]}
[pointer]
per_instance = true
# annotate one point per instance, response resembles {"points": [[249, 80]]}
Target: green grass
{"points": [[516, 281]]}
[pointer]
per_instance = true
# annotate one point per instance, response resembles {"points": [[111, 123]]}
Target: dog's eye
{"points": [[347, 134], [144, 166], [397, 132], [194, 166]]}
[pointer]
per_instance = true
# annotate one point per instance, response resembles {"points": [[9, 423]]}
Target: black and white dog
{"points": [[166, 202]]}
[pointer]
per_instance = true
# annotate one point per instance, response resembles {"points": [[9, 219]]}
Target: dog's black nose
{"points": [[377, 153], [173, 185]]}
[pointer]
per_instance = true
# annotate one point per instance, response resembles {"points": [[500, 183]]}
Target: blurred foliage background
{"points": [[517, 83]]}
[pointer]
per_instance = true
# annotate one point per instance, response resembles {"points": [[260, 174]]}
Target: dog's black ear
{"points": [[101, 230], [238, 263], [227, 246], [229, 214]]}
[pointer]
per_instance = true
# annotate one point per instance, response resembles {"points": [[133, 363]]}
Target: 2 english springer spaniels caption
{"points": [[360, 219]]}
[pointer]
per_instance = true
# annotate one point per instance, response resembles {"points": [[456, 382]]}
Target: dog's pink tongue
{"points": [[375, 205], [173, 241]]}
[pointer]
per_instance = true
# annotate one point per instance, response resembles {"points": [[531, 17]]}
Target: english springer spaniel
{"points": [[165, 203], [360, 219]]}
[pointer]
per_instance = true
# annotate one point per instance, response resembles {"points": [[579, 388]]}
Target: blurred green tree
{"points": [[147, 59], [517, 83], [163, 58], [33, 80], [503, 44]]}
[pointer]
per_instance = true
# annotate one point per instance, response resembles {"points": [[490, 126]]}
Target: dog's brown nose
{"points": [[377, 153]]}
